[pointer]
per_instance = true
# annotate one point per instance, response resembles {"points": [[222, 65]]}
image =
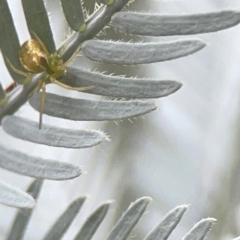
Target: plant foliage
{"points": [[85, 30]]}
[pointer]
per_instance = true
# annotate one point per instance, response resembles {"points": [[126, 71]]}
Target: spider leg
{"points": [[62, 48], [71, 58], [37, 88], [53, 80], [41, 43], [42, 102], [15, 69]]}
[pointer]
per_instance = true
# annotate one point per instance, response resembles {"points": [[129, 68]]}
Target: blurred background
{"points": [[185, 152]]}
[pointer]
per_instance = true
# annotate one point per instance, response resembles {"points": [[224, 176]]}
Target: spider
{"points": [[35, 58]]}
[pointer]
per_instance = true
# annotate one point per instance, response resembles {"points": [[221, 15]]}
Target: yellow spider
{"points": [[35, 58]]}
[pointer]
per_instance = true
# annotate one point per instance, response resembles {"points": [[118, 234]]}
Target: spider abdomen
{"points": [[33, 57]]}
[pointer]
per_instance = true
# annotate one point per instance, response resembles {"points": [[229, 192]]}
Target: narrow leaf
{"points": [[63, 222], [73, 13], [50, 135], [20, 97], [14, 197], [92, 223], [90, 6], [139, 53], [89, 110], [22, 219], [119, 86], [238, 238], [199, 231], [129, 219], [95, 24], [38, 22], [9, 43], [159, 25], [168, 224], [24, 164]]}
